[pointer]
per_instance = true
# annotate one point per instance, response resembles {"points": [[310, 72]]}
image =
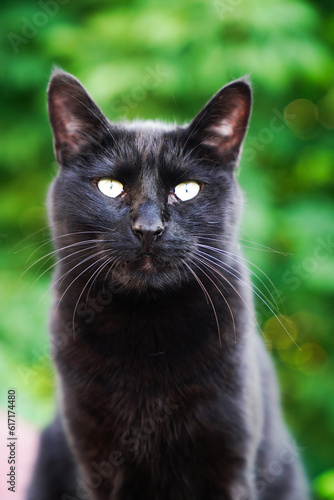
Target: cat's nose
{"points": [[148, 231], [147, 222]]}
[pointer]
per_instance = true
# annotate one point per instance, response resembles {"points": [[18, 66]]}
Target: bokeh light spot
{"points": [[301, 116], [281, 332], [326, 110]]}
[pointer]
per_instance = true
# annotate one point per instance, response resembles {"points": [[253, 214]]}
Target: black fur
{"points": [[165, 388]]}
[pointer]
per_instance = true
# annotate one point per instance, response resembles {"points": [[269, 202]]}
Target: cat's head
{"points": [[134, 202]]}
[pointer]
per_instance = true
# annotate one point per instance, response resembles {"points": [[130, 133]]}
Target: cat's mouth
{"points": [[147, 262], [149, 270]]}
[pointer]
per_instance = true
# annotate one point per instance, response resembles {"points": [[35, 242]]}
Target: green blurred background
{"points": [[164, 60]]}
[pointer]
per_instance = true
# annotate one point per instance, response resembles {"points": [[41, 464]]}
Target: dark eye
{"points": [[187, 190], [110, 187]]}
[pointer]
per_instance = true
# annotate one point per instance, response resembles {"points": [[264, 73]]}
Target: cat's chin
{"points": [[146, 274]]}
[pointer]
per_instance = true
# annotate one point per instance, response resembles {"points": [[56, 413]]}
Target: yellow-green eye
{"points": [[110, 187], [187, 190]]}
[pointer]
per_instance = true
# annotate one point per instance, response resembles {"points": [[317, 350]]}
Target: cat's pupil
{"points": [[110, 187], [187, 190]]}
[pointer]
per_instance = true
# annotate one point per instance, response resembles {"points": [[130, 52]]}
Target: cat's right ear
{"points": [[75, 119], [222, 124]]}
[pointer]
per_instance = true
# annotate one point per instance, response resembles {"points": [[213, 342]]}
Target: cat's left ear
{"points": [[222, 124], [76, 121]]}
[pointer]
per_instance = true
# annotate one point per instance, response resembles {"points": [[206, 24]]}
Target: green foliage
{"points": [[324, 485], [147, 59]]}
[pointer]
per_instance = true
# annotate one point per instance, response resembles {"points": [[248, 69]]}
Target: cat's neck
{"points": [[152, 323]]}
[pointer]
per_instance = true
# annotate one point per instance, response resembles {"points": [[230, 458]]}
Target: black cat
{"points": [[166, 391]]}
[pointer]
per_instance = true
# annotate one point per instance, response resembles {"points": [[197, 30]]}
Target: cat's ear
{"points": [[76, 121], [222, 124]]}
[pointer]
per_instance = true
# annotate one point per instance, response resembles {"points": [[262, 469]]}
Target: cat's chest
{"points": [[140, 386], [134, 405], [117, 374]]}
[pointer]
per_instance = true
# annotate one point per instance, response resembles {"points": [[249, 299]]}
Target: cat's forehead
{"points": [[149, 126], [150, 136], [151, 139]]}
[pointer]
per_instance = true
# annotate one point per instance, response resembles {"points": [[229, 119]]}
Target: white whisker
{"points": [[93, 278], [207, 295], [235, 258], [80, 274], [223, 296], [259, 296], [63, 276]]}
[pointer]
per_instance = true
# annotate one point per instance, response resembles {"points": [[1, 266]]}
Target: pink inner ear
{"points": [[70, 134], [228, 132], [68, 129], [225, 128]]}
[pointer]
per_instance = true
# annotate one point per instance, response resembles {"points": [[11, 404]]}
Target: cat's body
{"points": [[165, 388]]}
